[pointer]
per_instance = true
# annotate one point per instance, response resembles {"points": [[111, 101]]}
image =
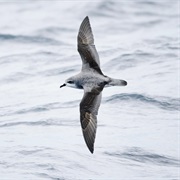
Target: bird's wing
{"points": [[86, 47], [88, 115]]}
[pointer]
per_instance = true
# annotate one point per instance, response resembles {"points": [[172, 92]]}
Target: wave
{"points": [[28, 39], [42, 108], [128, 60], [55, 30], [42, 56], [139, 155], [48, 176], [46, 122], [32, 123], [19, 76], [165, 103], [58, 71]]}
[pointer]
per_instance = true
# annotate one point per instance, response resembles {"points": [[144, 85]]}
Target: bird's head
{"points": [[69, 82]]}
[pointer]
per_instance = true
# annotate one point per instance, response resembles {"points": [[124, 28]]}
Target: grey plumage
{"points": [[92, 80]]}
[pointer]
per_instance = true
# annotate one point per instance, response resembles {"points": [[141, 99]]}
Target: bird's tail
{"points": [[116, 82]]}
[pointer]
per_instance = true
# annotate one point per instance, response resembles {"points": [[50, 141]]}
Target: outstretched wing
{"points": [[86, 47], [88, 115]]}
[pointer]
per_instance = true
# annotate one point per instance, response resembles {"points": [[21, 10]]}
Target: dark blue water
{"points": [[138, 125]]}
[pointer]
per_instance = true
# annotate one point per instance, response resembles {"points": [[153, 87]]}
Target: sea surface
{"points": [[138, 125]]}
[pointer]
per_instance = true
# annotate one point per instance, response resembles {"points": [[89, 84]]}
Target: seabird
{"points": [[92, 80]]}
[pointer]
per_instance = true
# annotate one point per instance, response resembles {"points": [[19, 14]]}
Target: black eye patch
{"points": [[70, 82]]}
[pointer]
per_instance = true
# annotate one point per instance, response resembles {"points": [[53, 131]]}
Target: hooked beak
{"points": [[63, 85]]}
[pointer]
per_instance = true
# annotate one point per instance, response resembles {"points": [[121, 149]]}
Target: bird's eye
{"points": [[70, 82]]}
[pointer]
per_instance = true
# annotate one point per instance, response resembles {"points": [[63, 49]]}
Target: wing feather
{"points": [[86, 47], [88, 115]]}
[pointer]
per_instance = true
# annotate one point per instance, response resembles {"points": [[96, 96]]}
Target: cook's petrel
{"points": [[92, 80]]}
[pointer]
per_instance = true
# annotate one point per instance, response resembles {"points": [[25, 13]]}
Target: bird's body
{"points": [[88, 79], [92, 80]]}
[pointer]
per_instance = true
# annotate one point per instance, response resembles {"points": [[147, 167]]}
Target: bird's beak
{"points": [[62, 85]]}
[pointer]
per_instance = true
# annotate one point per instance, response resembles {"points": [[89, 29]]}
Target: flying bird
{"points": [[92, 80]]}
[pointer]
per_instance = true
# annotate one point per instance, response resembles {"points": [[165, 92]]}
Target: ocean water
{"points": [[138, 125]]}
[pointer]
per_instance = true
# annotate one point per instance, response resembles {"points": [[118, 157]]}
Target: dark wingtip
{"points": [[87, 17], [125, 83], [90, 147], [91, 150]]}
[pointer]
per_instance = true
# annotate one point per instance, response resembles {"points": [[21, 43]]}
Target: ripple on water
{"points": [[142, 156], [165, 103], [28, 39]]}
